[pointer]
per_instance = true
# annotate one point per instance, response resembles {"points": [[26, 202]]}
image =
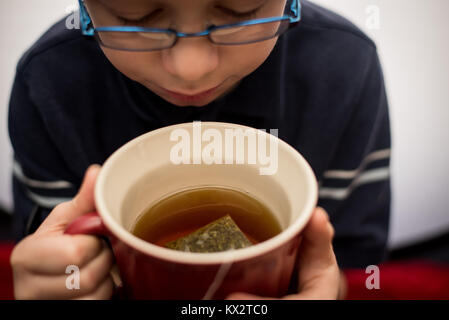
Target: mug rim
{"points": [[118, 231]]}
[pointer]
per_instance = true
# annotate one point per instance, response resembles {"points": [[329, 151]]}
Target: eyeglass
{"points": [[131, 38]]}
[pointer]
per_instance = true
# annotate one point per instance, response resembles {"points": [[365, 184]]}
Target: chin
{"points": [[181, 104]]}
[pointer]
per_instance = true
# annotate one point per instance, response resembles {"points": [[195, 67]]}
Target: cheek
{"points": [[134, 65], [244, 59]]}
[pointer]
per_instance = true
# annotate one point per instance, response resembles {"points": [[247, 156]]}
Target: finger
{"points": [[246, 296], [303, 296], [104, 291], [67, 286], [324, 287], [115, 274], [82, 203], [52, 254], [316, 245], [318, 269], [97, 270]]}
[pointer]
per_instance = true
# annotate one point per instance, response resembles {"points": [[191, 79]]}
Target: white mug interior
{"points": [[141, 173]]}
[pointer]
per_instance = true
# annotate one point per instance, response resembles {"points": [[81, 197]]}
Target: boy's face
{"points": [[195, 71]]}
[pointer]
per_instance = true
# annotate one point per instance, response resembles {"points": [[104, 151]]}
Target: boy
{"points": [[320, 84]]}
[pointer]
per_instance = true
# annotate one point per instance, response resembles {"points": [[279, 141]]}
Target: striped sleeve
{"points": [[355, 189], [41, 180]]}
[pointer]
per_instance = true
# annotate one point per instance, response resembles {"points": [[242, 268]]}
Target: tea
{"points": [[185, 212]]}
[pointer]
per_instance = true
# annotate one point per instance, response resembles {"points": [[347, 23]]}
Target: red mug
{"points": [[149, 168]]}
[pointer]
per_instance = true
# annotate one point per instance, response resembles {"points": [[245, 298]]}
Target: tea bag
{"points": [[220, 235]]}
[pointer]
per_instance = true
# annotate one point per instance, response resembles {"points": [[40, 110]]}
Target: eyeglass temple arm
{"points": [[86, 22], [295, 8]]}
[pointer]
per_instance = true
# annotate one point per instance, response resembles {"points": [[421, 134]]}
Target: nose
{"points": [[191, 59]]}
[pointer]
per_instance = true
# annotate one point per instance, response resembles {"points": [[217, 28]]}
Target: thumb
{"points": [[318, 269], [84, 202], [316, 246]]}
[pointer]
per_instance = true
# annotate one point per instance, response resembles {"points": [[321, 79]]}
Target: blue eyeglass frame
{"points": [[88, 30]]}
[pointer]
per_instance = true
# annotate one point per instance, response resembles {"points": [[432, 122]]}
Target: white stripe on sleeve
{"points": [[46, 202], [369, 176], [351, 174], [18, 173]]}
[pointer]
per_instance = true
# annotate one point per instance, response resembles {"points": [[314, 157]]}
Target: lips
{"points": [[191, 97]]}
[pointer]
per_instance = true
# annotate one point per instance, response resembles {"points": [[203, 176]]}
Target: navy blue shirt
{"points": [[322, 87]]}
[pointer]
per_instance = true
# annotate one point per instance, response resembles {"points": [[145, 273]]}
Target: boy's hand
{"points": [[319, 275], [40, 260]]}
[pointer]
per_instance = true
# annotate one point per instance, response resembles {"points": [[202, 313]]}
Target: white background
{"points": [[413, 42]]}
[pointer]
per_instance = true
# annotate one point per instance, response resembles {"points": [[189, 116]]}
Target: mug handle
{"points": [[91, 224]]}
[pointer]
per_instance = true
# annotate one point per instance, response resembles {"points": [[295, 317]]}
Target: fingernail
{"points": [[93, 167], [327, 215], [324, 213]]}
